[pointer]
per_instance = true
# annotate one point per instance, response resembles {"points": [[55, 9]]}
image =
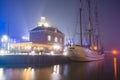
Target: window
{"points": [[49, 38], [56, 39]]}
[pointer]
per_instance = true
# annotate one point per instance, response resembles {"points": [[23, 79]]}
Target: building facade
{"points": [[41, 39], [47, 36]]}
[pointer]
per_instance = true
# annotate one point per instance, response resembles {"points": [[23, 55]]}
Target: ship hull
{"points": [[78, 53]]}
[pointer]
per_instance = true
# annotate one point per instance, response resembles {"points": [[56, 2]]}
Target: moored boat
{"points": [[79, 53], [92, 50]]}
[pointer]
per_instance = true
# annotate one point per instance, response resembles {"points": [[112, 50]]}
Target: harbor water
{"points": [[107, 69]]}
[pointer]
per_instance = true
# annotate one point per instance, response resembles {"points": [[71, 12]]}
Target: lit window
{"points": [[56, 39], [49, 38]]}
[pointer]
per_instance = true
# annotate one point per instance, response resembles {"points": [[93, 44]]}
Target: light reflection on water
{"points": [[97, 70], [1, 74], [115, 67]]}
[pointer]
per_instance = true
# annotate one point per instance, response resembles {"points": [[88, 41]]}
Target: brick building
{"points": [[42, 38]]}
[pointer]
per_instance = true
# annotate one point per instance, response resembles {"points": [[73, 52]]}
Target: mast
{"points": [[98, 42], [81, 41], [89, 25]]}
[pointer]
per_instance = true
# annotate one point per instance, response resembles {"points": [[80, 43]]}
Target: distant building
{"points": [[49, 36], [43, 38]]}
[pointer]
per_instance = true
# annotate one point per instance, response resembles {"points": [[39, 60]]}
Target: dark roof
{"points": [[38, 28], [46, 28]]}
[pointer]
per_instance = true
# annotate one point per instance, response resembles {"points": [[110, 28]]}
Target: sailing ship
{"points": [[91, 50]]}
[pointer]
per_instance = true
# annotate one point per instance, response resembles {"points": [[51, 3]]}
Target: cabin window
{"points": [[56, 39], [49, 38]]}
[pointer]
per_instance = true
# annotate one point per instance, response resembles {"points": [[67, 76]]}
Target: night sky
{"points": [[17, 17]]}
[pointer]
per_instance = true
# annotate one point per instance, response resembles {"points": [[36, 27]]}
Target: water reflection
{"points": [[2, 74], [56, 73], [72, 71], [59, 71], [115, 67], [84, 71], [28, 73], [56, 69], [97, 70]]}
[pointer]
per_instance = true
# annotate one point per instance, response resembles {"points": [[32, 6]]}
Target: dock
{"points": [[33, 59]]}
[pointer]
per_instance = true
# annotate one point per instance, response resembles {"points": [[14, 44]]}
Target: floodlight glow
{"points": [[56, 46], [65, 53], [1, 72], [32, 53], [4, 38], [114, 52], [2, 52], [25, 38], [95, 47], [43, 22], [43, 18], [52, 53]]}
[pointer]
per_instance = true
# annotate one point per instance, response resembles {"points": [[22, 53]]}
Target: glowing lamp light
{"points": [[52, 53], [114, 52], [86, 43], [25, 38], [32, 53], [2, 52], [43, 18], [46, 24], [4, 38], [43, 22], [56, 46], [95, 47], [28, 47], [65, 53]]}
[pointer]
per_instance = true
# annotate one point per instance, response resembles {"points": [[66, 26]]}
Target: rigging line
{"points": [[89, 25], [97, 23], [76, 23], [93, 26], [85, 24]]}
